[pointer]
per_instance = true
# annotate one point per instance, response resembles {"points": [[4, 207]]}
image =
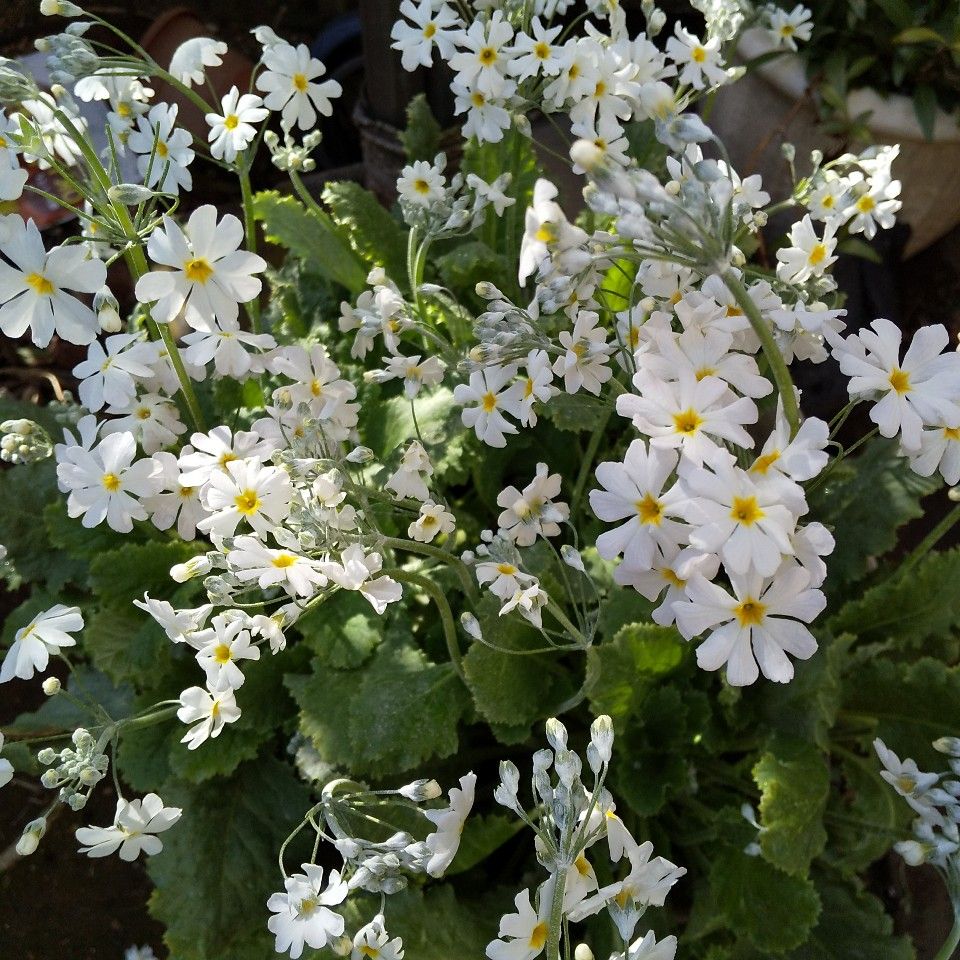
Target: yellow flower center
{"points": [[430, 30], [306, 906], [900, 380], [675, 297], [866, 203], [123, 110], [750, 613], [952, 433], [215, 709], [186, 492], [221, 653], [487, 56], [538, 936], [698, 54], [368, 951], [428, 520], [818, 254], [489, 401], [650, 510], [143, 413], [582, 865], [688, 422], [421, 186], [574, 71], [828, 202], [906, 784], [300, 82], [42, 287], [788, 30], [248, 503], [541, 50], [478, 99], [507, 569], [284, 560], [545, 234], [226, 458], [733, 311], [528, 387], [600, 89], [162, 150], [316, 387], [746, 510], [705, 372], [672, 578], [764, 463], [231, 121], [111, 482], [198, 270]]}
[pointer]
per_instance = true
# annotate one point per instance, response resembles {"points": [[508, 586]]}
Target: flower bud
{"points": [[31, 836], [129, 194], [59, 8], [583, 952], [46, 756], [51, 686], [571, 557], [471, 626], [601, 736], [421, 790], [49, 779], [948, 745], [195, 567]]}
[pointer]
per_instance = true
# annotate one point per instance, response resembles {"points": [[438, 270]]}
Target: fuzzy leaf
{"points": [[312, 236], [421, 137], [794, 784], [343, 631], [125, 643], [123, 574]]}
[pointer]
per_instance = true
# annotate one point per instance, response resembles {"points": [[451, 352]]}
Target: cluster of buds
{"points": [[77, 771], [290, 155], [24, 441]]}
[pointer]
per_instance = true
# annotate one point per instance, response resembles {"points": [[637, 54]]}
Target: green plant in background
{"points": [[527, 469]]}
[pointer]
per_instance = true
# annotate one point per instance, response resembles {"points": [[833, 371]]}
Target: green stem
{"points": [[446, 614], [567, 625], [951, 943], [587, 462], [556, 915], [458, 566], [929, 541], [250, 228], [771, 351]]}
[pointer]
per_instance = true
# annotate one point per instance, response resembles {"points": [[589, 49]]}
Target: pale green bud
{"points": [[30, 838]]}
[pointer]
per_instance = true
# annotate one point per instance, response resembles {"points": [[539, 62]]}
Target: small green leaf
{"points": [[482, 835], [925, 107], [918, 35], [343, 631], [124, 573], [421, 136]]}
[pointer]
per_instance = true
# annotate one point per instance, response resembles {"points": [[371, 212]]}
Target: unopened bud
{"points": [[586, 154], [51, 686], [471, 626], [421, 790], [360, 455], [59, 8], [583, 952], [572, 558], [46, 756], [195, 567], [30, 838], [948, 745], [129, 194]]}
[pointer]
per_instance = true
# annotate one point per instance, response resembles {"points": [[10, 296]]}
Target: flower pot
{"points": [[161, 40], [774, 104]]}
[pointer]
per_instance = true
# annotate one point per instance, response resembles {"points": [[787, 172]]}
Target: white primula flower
{"points": [[34, 285], [354, 572], [647, 948], [32, 645], [220, 647], [6, 767], [481, 61], [922, 389], [104, 483], [249, 559], [537, 385], [290, 85], [535, 54], [234, 128], [152, 419], [444, 842], [939, 450], [760, 623], [633, 492], [208, 710], [13, 177], [532, 512], [134, 831], [302, 915], [178, 625], [110, 373], [787, 27], [529, 603], [585, 362], [409, 481], [175, 503], [486, 116], [490, 394], [800, 458], [505, 579], [431, 25], [372, 942], [228, 349], [247, 491], [527, 928], [210, 453], [807, 254], [700, 62], [208, 276], [421, 183], [415, 372], [918, 788], [163, 149], [433, 521], [873, 203], [492, 193], [190, 59]]}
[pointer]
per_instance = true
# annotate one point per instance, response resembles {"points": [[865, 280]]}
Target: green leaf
{"points": [[908, 609], [343, 631], [482, 835], [124, 573], [925, 107], [374, 235], [794, 784], [918, 35], [576, 412], [310, 235], [620, 673], [125, 643], [463, 267], [219, 863], [859, 248], [421, 136], [388, 424], [771, 909]]}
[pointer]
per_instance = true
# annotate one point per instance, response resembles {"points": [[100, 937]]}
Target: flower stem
{"points": [[556, 915], [459, 567], [771, 351], [250, 228], [929, 541], [587, 462], [950, 945]]}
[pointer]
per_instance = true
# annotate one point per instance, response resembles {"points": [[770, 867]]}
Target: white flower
{"points": [[529, 603], [759, 623], [939, 450], [289, 82], [807, 255], [302, 915], [527, 928], [372, 942], [164, 150], [104, 483], [800, 458], [748, 523], [208, 710], [873, 203], [189, 59], [545, 227], [32, 645], [176, 624], [209, 275], [647, 948], [535, 54], [531, 512], [152, 419], [923, 389], [12, 176], [585, 362], [433, 521], [486, 116], [700, 61], [505, 578], [910, 782], [211, 452], [109, 375], [220, 647], [786, 28], [415, 372], [421, 183], [175, 502], [633, 492], [248, 491], [492, 193], [493, 392], [409, 482], [444, 842], [226, 348], [688, 413], [431, 25], [480, 63], [249, 559], [233, 129], [34, 285], [354, 572], [134, 831], [536, 385]]}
